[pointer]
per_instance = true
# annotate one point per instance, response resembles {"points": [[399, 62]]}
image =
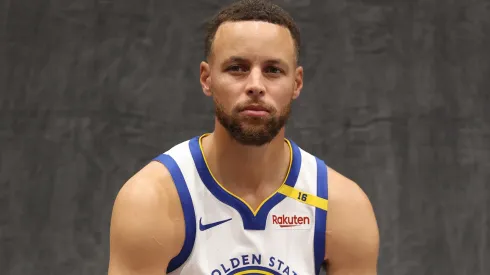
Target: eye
{"points": [[273, 70], [236, 68]]}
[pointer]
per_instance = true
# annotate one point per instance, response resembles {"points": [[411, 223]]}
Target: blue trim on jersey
{"points": [[187, 207], [320, 216], [250, 221], [257, 269]]}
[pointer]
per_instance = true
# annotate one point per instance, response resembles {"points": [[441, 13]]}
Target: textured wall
{"points": [[396, 97]]}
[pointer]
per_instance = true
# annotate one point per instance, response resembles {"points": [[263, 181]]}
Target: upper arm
{"points": [[147, 224], [352, 230]]}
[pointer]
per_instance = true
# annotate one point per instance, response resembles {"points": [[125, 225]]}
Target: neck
{"points": [[245, 168]]}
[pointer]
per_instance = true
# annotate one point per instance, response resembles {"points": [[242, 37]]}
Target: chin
{"points": [[250, 131], [253, 135]]}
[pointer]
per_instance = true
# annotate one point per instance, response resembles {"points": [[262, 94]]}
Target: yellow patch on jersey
{"points": [[304, 197]]}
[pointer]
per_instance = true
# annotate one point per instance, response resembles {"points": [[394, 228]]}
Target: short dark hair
{"points": [[252, 10]]}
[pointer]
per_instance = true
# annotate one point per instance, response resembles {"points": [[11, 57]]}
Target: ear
{"points": [[205, 78], [298, 81]]}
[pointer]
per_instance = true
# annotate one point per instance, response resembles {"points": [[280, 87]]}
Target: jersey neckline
{"points": [[252, 219]]}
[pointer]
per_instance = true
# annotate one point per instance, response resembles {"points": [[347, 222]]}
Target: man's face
{"points": [[253, 78]]}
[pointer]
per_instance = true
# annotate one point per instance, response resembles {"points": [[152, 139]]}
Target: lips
{"points": [[256, 108], [256, 111]]}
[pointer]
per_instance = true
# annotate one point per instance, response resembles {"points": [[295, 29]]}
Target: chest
{"points": [[224, 245]]}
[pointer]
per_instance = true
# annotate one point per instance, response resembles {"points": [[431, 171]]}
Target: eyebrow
{"points": [[239, 59]]}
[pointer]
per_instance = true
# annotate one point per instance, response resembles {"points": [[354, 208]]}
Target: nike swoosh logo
{"points": [[204, 227]]}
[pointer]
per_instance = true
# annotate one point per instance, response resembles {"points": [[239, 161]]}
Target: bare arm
{"points": [[147, 225], [352, 230]]}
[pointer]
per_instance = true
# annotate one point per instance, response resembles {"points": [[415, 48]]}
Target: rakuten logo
{"points": [[290, 221]]}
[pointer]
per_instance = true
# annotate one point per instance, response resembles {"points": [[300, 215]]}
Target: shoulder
{"points": [[352, 230], [345, 191], [151, 187], [147, 224]]}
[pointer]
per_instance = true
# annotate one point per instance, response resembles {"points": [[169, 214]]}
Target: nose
{"points": [[255, 84]]}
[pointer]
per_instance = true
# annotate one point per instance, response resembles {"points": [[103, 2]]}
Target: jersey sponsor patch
{"points": [[291, 221], [254, 264]]}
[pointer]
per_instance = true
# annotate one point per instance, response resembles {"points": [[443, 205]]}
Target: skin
{"points": [[147, 226]]}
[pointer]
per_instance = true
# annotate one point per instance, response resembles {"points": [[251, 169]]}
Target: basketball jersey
{"points": [[224, 235]]}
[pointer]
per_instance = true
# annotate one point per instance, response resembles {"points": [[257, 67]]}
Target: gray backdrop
{"points": [[396, 98]]}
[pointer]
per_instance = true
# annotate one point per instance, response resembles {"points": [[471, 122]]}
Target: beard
{"points": [[252, 131]]}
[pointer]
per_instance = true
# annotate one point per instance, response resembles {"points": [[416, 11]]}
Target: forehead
{"points": [[253, 39]]}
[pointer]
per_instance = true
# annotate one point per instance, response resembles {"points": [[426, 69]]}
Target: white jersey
{"points": [[286, 235]]}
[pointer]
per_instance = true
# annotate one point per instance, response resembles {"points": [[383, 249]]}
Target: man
{"points": [[244, 199]]}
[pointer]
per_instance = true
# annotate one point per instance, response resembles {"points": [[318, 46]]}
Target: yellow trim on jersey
{"points": [[304, 197], [263, 202], [253, 272]]}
